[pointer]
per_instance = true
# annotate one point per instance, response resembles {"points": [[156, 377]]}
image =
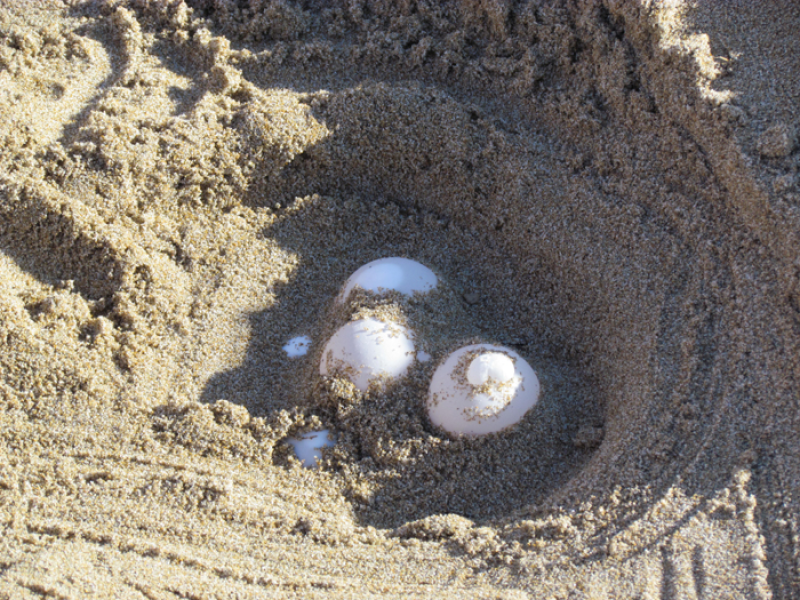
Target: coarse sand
{"points": [[610, 188]]}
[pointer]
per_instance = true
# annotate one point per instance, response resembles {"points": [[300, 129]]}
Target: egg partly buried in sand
{"points": [[391, 274], [297, 346], [367, 349], [307, 447], [481, 389]]}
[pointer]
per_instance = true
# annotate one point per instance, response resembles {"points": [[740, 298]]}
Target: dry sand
{"points": [[609, 188]]}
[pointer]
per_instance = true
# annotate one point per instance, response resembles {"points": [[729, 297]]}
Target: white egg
{"points": [[481, 389], [308, 445], [366, 349], [399, 274], [297, 346]]}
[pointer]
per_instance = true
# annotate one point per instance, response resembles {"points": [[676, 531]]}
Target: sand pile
{"points": [[610, 189]]}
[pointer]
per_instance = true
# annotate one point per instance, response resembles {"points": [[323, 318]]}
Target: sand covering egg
{"points": [[367, 349]]}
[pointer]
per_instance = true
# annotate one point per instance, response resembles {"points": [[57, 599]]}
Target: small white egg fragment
{"points": [[385, 274], [481, 389], [297, 346], [307, 447], [366, 349]]}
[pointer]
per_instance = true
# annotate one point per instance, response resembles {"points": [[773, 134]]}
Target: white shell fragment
{"points": [[307, 447], [297, 346], [366, 349], [481, 389], [386, 274]]}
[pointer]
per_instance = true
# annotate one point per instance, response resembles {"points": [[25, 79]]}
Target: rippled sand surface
{"points": [[610, 189]]}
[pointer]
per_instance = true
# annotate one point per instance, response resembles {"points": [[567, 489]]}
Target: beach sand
{"points": [[611, 189]]}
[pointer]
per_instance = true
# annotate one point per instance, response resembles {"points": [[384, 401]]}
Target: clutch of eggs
{"points": [[477, 390]]}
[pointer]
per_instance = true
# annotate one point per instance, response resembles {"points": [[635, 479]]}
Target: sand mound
{"points": [[610, 189]]}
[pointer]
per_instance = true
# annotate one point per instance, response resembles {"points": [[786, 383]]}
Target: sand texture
{"points": [[609, 188]]}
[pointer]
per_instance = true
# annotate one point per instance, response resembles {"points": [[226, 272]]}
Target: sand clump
{"points": [[608, 188]]}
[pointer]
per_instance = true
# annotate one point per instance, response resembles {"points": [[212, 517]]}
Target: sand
{"points": [[611, 189]]}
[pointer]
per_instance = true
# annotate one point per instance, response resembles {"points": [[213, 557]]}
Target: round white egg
{"points": [[366, 349], [481, 389], [391, 274]]}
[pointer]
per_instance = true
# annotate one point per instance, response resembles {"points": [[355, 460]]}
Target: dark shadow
{"points": [[27, 214], [268, 380]]}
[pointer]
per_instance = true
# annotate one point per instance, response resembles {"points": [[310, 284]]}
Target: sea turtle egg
{"points": [[386, 274], [366, 349], [481, 389]]}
